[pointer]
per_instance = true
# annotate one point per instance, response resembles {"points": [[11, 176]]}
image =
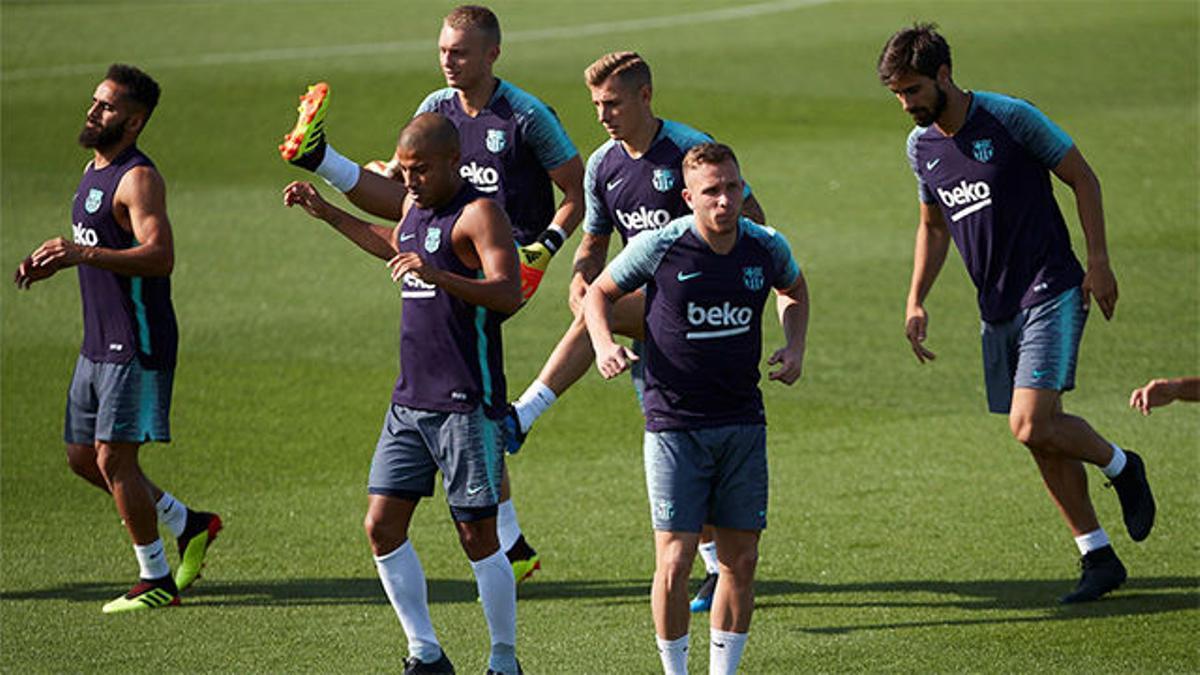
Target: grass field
{"points": [[908, 531]]}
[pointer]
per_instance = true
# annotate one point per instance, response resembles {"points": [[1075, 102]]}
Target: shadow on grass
{"points": [[1147, 595], [1150, 595], [329, 591]]}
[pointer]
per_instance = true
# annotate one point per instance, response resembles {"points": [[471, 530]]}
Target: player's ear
{"points": [[687, 198], [943, 75], [646, 92]]}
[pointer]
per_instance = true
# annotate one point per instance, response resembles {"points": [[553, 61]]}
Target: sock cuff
{"points": [[497, 558], [338, 171], [396, 552]]}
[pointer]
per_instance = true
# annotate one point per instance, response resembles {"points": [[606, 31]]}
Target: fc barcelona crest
{"points": [[664, 179], [496, 141], [94, 199], [753, 278], [433, 239], [982, 149]]}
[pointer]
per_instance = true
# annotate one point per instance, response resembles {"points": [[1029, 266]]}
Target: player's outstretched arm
{"points": [[792, 305], [374, 239], [140, 204], [612, 358], [1159, 392], [1099, 282], [933, 241], [482, 239]]}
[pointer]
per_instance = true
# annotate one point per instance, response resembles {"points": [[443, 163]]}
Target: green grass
{"points": [[908, 531]]}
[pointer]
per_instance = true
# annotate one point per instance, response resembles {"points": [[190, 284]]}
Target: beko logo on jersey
{"points": [[484, 178], [414, 287], [974, 196], [720, 321], [643, 218], [84, 235]]}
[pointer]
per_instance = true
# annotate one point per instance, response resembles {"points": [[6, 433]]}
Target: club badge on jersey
{"points": [[94, 199], [982, 149], [753, 278], [664, 180], [433, 240], [496, 141]]}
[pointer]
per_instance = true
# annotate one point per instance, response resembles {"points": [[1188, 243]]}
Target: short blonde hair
{"points": [[627, 66], [475, 16], [711, 153]]}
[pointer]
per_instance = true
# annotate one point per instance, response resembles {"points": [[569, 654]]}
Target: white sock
{"points": [[536, 399], [151, 561], [404, 582], [1091, 541], [673, 654], [708, 552], [725, 651], [507, 527], [1117, 465], [338, 171], [498, 593], [172, 513]]}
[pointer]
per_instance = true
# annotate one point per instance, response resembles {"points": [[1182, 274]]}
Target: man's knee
{"points": [[478, 538], [1034, 431], [117, 461], [740, 564], [82, 459], [384, 534], [674, 567]]}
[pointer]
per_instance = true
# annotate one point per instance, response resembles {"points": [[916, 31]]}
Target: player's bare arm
{"points": [[140, 206], [753, 210], [372, 238], [792, 306], [612, 358], [482, 239], [568, 176], [1099, 282], [590, 257], [933, 241], [1163, 391]]}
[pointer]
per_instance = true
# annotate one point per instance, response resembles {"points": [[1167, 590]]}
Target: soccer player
{"points": [[983, 163], [454, 256], [513, 149], [120, 393], [707, 278], [632, 185], [1161, 391]]}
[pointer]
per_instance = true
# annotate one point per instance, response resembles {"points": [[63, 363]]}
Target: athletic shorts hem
{"points": [[472, 514], [411, 495]]}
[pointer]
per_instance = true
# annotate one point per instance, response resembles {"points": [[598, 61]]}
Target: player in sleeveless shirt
{"points": [[454, 256], [707, 278], [983, 163], [514, 149], [120, 393]]}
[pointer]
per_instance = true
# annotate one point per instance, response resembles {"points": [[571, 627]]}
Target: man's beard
{"points": [[102, 137], [924, 116]]}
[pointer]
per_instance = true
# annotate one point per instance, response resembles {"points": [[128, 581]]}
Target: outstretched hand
{"points": [[29, 272], [304, 195]]}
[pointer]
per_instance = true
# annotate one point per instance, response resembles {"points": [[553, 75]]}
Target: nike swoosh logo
{"points": [[932, 163], [614, 183], [690, 275], [406, 237], [1039, 374], [471, 491]]}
